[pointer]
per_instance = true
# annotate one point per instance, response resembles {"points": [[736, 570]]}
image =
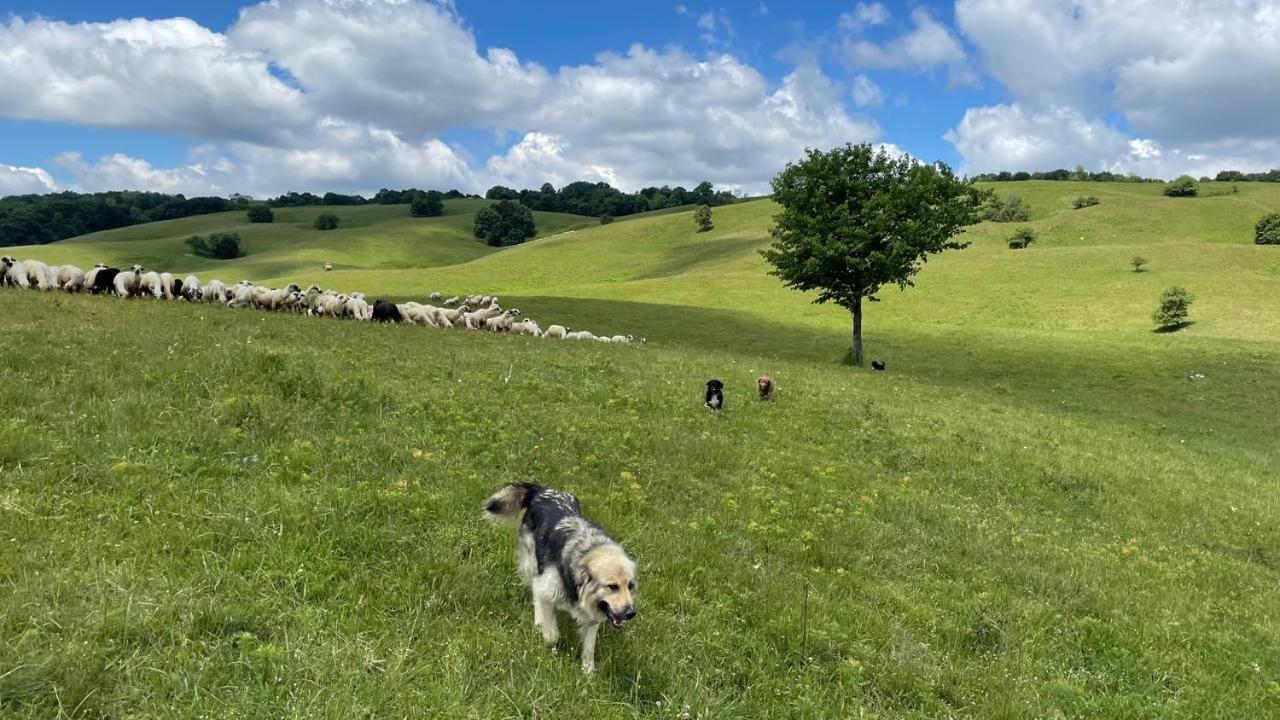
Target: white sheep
{"points": [[241, 296], [15, 272], [215, 292], [167, 285], [151, 283], [475, 320], [501, 323], [71, 278], [581, 335], [191, 288], [39, 275], [557, 332], [452, 301], [622, 339], [435, 296], [359, 309], [91, 276], [526, 327], [129, 282]]}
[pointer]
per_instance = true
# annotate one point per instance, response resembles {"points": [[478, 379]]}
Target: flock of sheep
{"points": [[475, 312]]}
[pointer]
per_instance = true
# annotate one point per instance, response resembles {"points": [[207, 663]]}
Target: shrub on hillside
{"points": [[1084, 202], [1184, 186], [702, 217], [1171, 313], [428, 204], [327, 221], [606, 219], [261, 214], [219, 246], [1137, 262], [1007, 209], [1268, 230], [1022, 238], [504, 223]]}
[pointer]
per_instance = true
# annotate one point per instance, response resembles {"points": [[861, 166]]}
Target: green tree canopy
{"points": [[327, 221], [855, 219], [504, 223], [428, 204], [261, 214]]}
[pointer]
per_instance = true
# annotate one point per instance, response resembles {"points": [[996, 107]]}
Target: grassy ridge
{"points": [[1037, 512]]}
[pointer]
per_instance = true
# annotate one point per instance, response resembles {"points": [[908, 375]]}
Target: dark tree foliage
{"points": [[397, 197], [702, 218], [219, 245], [1022, 238], [1007, 209], [1172, 311], [1237, 176], [504, 223], [499, 192], [1083, 202], [261, 214], [1062, 174], [428, 204], [856, 219], [40, 219], [1267, 232], [1183, 186], [296, 199], [327, 221]]}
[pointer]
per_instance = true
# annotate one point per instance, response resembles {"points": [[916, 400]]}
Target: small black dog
{"points": [[715, 396], [877, 366]]}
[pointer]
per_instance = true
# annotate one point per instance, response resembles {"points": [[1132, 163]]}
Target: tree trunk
{"points": [[857, 332]]}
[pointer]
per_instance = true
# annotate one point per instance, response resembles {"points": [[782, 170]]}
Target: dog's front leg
{"points": [[544, 616], [588, 633]]}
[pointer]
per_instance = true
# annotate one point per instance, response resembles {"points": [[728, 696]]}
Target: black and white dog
{"points": [[568, 562], [715, 395]]}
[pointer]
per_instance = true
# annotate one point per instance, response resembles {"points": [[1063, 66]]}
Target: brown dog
{"points": [[765, 385]]}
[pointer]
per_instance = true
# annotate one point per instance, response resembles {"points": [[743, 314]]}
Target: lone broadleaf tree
{"points": [[855, 219]]}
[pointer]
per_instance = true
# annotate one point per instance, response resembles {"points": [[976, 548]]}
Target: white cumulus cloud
{"points": [[25, 180]]}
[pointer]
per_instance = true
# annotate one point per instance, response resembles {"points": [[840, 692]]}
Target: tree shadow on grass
{"points": [[1165, 330]]}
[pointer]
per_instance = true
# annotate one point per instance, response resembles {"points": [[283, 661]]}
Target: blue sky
{"points": [[244, 98]]}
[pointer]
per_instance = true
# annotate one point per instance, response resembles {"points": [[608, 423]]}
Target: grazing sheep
{"points": [[526, 327], [501, 323], [151, 283], [328, 267], [70, 278], [622, 339], [452, 301], [386, 311], [215, 292], [91, 276], [241, 296], [358, 309], [435, 296], [104, 281], [191, 288], [39, 275], [556, 332], [15, 273], [580, 335], [129, 282], [170, 286], [475, 320]]}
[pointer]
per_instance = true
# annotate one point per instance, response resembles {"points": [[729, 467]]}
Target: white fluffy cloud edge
{"points": [[356, 94], [353, 95]]}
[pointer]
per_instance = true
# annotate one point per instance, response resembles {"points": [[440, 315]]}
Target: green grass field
{"points": [[1037, 512]]}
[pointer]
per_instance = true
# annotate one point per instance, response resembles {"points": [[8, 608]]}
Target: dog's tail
{"points": [[510, 500]]}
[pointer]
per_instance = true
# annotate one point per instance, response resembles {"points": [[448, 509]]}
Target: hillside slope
{"points": [[1042, 509]]}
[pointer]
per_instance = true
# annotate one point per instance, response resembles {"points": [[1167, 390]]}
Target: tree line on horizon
{"points": [[1079, 174], [42, 219], [601, 199]]}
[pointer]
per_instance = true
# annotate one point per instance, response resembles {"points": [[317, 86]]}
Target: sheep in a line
{"points": [[70, 278], [15, 272], [479, 312], [129, 283]]}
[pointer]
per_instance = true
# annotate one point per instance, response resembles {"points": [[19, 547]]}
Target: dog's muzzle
{"points": [[617, 619]]}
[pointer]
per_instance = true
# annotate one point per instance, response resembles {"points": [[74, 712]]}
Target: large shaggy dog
{"points": [[568, 562]]}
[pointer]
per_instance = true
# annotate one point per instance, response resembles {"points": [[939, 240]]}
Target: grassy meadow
{"points": [[1042, 510]]}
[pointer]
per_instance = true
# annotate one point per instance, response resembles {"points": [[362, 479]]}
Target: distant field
{"points": [[1042, 510]]}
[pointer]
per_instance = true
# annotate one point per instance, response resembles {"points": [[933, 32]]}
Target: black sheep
{"points": [[104, 281], [386, 311]]}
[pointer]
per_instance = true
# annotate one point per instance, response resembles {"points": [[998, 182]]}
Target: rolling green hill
{"points": [[1043, 509]]}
